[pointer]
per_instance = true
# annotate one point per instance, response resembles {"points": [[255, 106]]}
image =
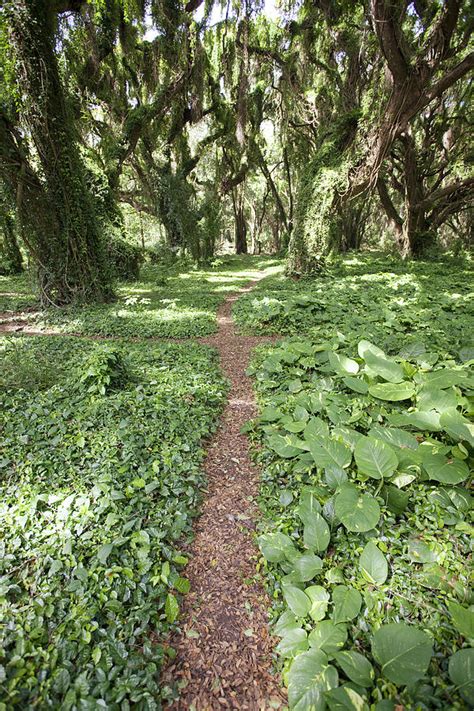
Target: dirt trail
{"points": [[224, 655]]}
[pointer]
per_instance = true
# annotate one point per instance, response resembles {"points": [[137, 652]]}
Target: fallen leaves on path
{"points": [[224, 653]]}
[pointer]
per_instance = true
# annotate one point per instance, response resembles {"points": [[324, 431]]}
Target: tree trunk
{"points": [[11, 259], [240, 223], [417, 239], [70, 253]]}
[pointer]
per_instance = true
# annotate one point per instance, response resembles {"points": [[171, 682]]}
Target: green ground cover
{"points": [[382, 299], [366, 462], [16, 292], [168, 303], [101, 451]]}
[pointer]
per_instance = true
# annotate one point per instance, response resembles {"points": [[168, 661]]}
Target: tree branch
{"points": [[389, 36]]}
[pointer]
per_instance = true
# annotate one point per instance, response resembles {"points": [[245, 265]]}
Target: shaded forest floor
{"points": [[137, 412]]}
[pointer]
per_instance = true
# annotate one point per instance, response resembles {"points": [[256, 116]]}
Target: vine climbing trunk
{"points": [[70, 254], [12, 261], [240, 222]]}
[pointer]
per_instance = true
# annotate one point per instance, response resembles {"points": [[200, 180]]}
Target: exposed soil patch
{"points": [[224, 654]]}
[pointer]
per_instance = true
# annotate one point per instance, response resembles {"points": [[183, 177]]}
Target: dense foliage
{"points": [[178, 301], [381, 299], [101, 454], [315, 127], [140, 141], [365, 462]]}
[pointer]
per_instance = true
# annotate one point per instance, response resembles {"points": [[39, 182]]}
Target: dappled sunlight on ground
{"points": [[376, 297], [162, 303]]}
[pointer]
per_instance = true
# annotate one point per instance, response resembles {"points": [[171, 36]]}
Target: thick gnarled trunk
{"points": [[68, 247]]}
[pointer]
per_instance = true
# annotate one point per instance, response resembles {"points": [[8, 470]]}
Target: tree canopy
{"points": [[311, 128]]}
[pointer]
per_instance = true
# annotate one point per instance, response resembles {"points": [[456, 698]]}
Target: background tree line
{"points": [[331, 125]]}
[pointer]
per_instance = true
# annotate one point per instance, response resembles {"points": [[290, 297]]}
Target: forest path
{"points": [[224, 652]]}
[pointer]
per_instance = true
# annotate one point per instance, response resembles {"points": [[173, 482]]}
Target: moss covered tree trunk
{"points": [[11, 261], [240, 222], [69, 254]]}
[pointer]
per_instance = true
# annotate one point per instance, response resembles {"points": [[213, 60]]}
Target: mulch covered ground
{"points": [[224, 653]]}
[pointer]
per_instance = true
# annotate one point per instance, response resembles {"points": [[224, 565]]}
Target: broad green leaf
{"points": [[309, 678], [335, 575], [463, 618], [291, 426], [308, 505], [357, 512], [403, 652], [283, 446], [270, 414], [334, 477], [393, 392], [347, 602], [293, 643], [457, 426], [461, 498], [343, 698], [347, 435], [104, 552], [171, 608], [286, 497], [315, 428], [394, 437], [328, 637], [286, 622], [319, 602], [328, 452], [461, 672], [182, 585], [356, 667], [301, 414], [307, 566], [383, 367], [420, 552], [373, 564], [396, 500], [435, 577], [440, 400], [342, 364], [445, 378], [316, 533], [298, 602], [447, 471], [385, 705], [275, 547], [425, 421], [412, 350], [402, 480], [357, 384], [367, 348], [375, 458]]}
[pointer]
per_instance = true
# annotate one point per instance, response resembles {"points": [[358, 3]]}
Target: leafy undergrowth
{"points": [[16, 293], [167, 303], [366, 462], [100, 476], [381, 299]]}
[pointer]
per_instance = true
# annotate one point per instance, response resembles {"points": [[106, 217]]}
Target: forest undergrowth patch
{"points": [[382, 299], [166, 302], [366, 534], [100, 477]]}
